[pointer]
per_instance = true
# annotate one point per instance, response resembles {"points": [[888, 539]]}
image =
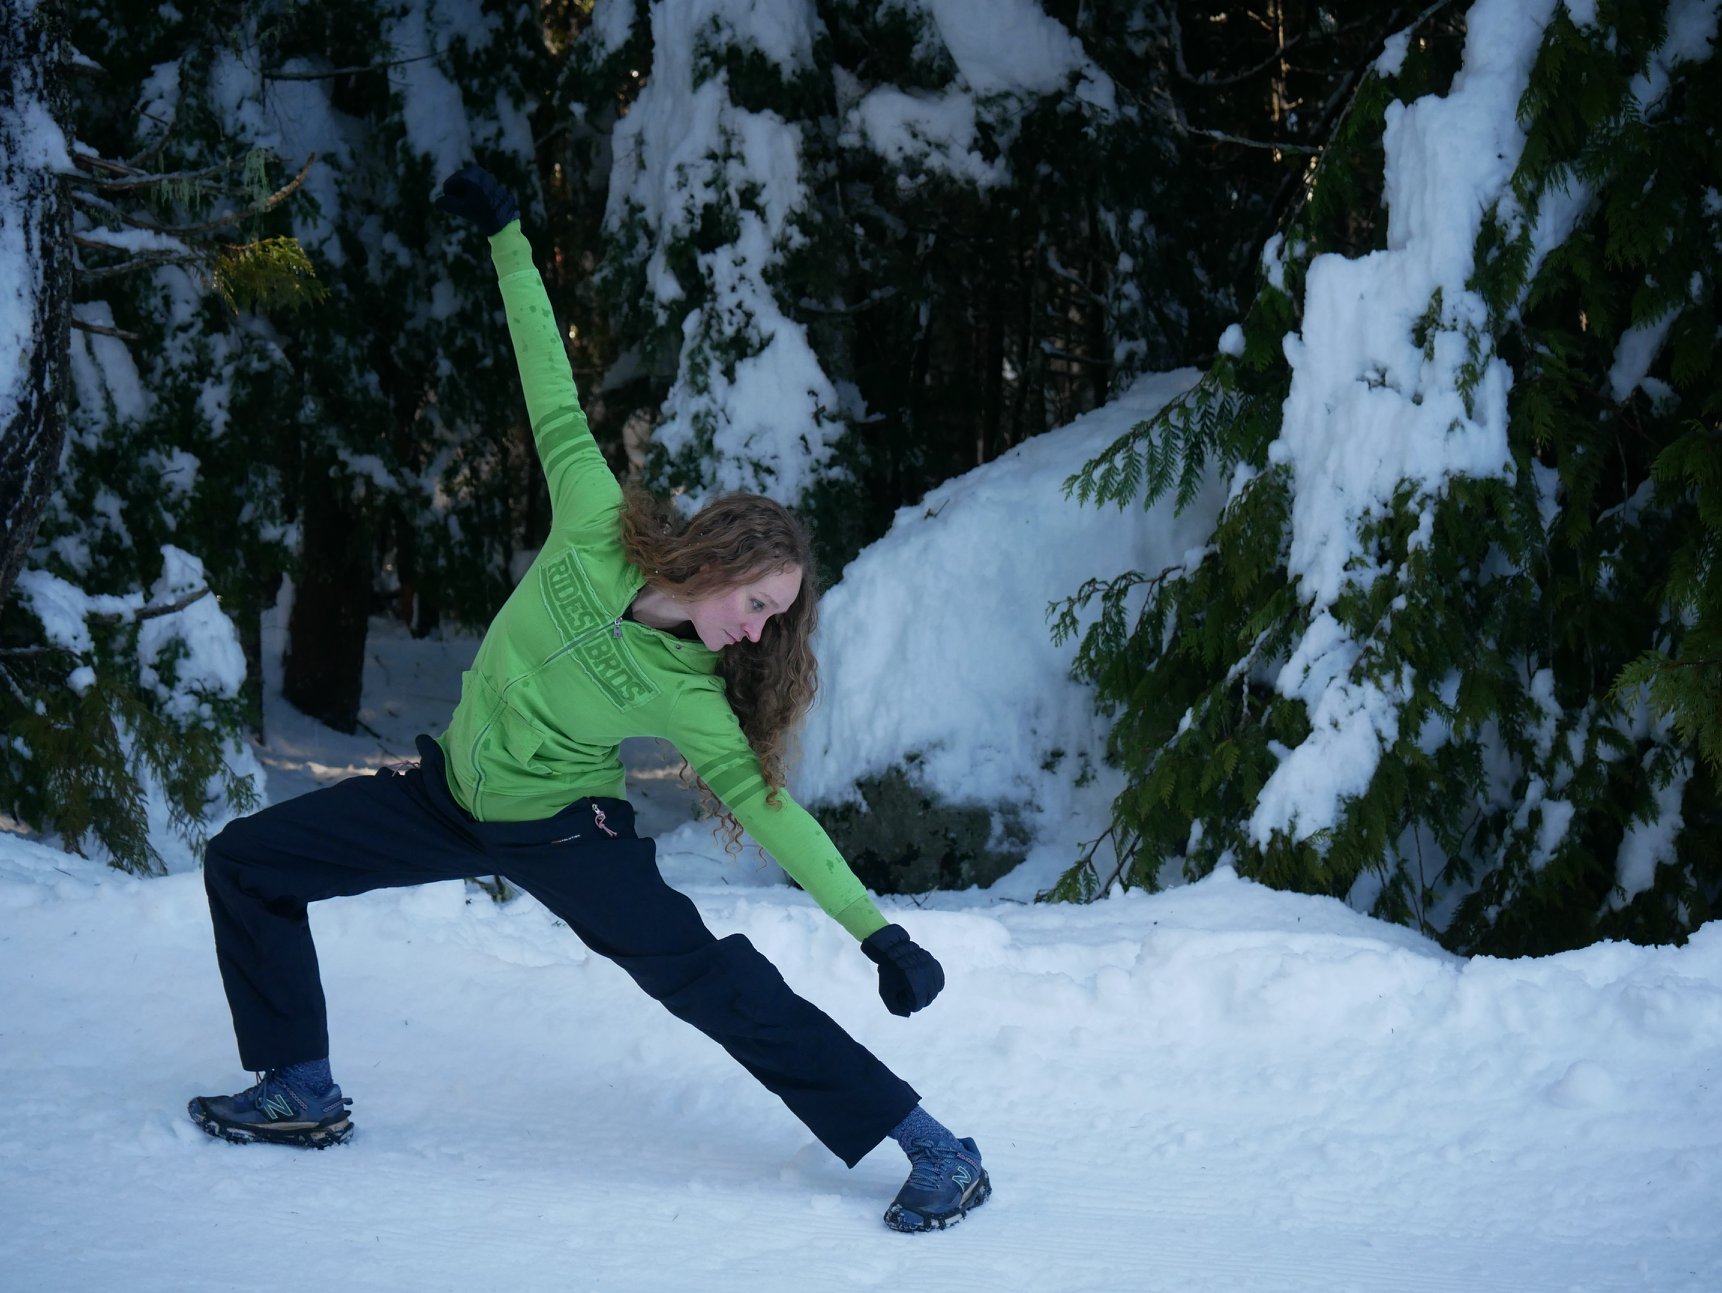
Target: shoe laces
{"points": [[929, 1161], [267, 1083]]}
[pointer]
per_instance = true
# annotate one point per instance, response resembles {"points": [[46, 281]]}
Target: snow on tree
{"points": [[850, 250], [706, 197], [222, 441], [1457, 466]]}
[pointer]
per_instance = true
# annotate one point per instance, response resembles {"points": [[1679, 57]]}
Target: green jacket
{"points": [[561, 678]]}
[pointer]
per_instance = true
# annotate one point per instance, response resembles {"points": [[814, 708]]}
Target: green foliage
{"points": [[979, 314], [1546, 643], [112, 749], [310, 391], [81, 759], [1684, 678], [269, 274]]}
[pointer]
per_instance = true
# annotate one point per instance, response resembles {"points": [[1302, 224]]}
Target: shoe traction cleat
{"points": [[275, 1112]]}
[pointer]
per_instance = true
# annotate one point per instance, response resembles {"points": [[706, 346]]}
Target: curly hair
{"points": [[733, 539]]}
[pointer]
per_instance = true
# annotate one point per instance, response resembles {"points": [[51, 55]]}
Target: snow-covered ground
{"points": [[1219, 1087]]}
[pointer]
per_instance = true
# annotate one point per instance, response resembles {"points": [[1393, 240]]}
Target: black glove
{"points": [[909, 977], [474, 194]]}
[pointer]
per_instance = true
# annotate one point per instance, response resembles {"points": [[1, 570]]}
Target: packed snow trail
{"points": [[1220, 1087], [1215, 1088]]}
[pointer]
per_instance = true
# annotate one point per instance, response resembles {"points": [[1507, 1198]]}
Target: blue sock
{"points": [[921, 1125], [311, 1076]]}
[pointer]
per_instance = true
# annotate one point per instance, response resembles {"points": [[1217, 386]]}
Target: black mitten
{"points": [[474, 194], [909, 977]]}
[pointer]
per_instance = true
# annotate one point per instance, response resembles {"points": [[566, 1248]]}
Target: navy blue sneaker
{"points": [[275, 1112], [945, 1182]]}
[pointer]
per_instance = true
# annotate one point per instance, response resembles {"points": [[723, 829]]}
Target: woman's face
{"points": [[732, 614]]}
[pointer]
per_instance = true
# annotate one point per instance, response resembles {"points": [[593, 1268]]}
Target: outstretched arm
{"points": [[712, 741], [582, 486]]}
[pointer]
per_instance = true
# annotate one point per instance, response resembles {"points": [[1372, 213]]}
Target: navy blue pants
{"points": [[403, 827]]}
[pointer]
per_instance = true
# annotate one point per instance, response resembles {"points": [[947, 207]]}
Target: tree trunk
{"points": [[36, 261], [323, 674], [246, 612]]}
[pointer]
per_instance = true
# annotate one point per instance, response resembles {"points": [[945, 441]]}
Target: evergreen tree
{"points": [[925, 257], [243, 158], [126, 699], [404, 457], [1511, 651], [1024, 238], [385, 460], [707, 197]]}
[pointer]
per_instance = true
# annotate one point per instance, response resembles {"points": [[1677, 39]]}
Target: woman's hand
{"points": [[474, 194], [909, 977]]}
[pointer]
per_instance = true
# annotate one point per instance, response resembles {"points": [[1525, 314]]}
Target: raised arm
{"points": [[582, 486]]}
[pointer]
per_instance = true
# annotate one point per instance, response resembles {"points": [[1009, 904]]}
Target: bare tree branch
{"points": [[103, 331], [153, 612], [1208, 80], [1225, 138], [100, 272], [134, 178], [333, 72]]}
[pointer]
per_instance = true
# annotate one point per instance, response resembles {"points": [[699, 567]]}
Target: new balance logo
{"points": [[277, 1107], [962, 1177]]}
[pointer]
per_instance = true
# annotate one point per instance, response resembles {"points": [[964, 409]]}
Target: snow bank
{"points": [[937, 644], [1219, 1087]]}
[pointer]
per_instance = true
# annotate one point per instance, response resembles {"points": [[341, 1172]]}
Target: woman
{"points": [[627, 624]]}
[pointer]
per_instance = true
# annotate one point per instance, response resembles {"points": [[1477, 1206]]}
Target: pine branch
{"points": [[1689, 664], [1125, 857], [841, 311], [171, 608], [1225, 137], [18, 692], [1052, 350], [262, 207], [272, 271]]}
